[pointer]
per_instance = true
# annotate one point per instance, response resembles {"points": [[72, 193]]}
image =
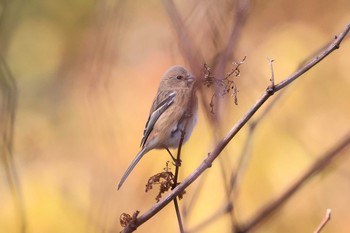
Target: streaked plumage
{"points": [[173, 109]]}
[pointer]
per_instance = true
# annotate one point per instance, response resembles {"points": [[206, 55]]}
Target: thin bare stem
{"points": [[178, 215], [235, 129], [272, 72], [326, 219], [245, 154], [240, 168], [319, 57], [178, 164], [244, 158], [177, 169], [178, 158]]}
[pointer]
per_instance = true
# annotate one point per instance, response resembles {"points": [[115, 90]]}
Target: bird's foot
{"points": [[177, 162]]}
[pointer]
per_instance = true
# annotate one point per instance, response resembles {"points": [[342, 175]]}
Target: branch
{"points": [[178, 215], [177, 169], [326, 219], [235, 129], [243, 159], [324, 53], [313, 170]]}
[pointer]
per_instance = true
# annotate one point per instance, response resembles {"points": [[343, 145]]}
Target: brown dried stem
{"points": [[177, 169]]}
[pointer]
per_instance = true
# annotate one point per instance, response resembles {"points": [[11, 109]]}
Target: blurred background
{"points": [[78, 79]]}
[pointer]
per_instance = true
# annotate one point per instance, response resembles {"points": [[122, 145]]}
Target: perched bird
{"points": [[174, 111]]}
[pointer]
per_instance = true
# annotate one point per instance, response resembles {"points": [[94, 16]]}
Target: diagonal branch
{"points": [[319, 57], [235, 129], [318, 166], [243, 160], [326, 219]]}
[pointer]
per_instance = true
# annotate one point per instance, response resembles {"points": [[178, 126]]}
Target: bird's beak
{"points": [[191, 79]]}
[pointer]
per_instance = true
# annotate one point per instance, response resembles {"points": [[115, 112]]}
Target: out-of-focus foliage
{"points": [[87, 71]]}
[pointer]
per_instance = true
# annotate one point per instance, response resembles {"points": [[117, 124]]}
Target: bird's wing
{"points": [[160, 104]]}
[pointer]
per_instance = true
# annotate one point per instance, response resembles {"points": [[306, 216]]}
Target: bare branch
{"points": [[324, 53], [235, 129], [272, 72], [243, 160], [177, 169], [326, 219], [244, 157]]}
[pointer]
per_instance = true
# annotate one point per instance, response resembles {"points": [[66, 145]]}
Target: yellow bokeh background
{"points": [[87, 72]]}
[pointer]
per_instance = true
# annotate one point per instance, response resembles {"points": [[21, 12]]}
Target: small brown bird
{"points": [[174, 110]]}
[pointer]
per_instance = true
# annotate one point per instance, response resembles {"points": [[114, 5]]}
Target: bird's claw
{"points": [[177, 162]]}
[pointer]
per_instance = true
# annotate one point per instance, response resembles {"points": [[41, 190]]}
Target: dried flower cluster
{"points": [[165, 180], [125, 219], [224, 85]]}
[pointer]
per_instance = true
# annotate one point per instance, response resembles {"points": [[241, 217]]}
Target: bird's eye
{"points": [[179, 77]]}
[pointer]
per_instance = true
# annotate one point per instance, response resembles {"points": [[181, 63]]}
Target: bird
{"points": [[174, 111]]}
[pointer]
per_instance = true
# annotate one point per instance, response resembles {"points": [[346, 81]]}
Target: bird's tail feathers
{"points": [[132, 165]]}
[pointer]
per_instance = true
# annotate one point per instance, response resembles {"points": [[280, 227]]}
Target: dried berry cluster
{"points": [[224, 85], [165, 179], [125, 219]]}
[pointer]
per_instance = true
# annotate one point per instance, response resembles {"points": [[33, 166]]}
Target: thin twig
{"points": [[326, 219], [177, 169], [235, 129], [324, 53], [243, 160], [178, 215], [238, 21], [244, 157], [272, 79], [178, 161], [178, 158]]}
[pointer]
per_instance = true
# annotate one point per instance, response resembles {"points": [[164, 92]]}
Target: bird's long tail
{"points": [[132, 165]]}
